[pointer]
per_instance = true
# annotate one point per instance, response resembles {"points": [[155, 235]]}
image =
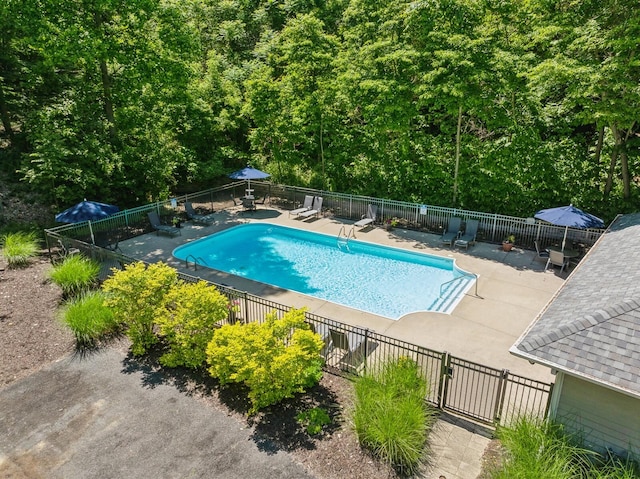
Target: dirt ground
{"points": [[32, 336]]}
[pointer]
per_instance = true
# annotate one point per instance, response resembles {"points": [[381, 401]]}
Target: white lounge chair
{"points": [[369, 218], [306, 206], [317, 208]]}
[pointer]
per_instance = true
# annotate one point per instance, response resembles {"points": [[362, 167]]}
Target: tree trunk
{"points": [[455, 173], [324, 178], [106, 86], [4, 114], [624, 160], [598, 152]]}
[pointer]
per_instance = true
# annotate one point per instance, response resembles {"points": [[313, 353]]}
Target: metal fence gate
{"points": [[489, 395]]}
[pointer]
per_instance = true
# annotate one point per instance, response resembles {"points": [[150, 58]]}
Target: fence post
{"points": [[366, 349], [246, 306], [500, 395], [443, 383]]}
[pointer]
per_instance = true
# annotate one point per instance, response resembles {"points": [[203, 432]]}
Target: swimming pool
{"points": [[387, 281]]}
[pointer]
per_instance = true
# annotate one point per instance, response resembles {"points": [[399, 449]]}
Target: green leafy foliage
{"points": [[75, 274], [18, 248], [313, 420], [134, 294], [502, 107], [89, 318], [275, 359], [187, 320], [391, 416]]}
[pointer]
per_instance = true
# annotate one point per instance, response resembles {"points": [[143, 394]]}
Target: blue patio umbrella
{"points": [[249, 173], [569, 216], [86, 211]]}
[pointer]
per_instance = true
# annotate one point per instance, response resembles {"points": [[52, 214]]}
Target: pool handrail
{"points": [[195, 262], [464, 274]]}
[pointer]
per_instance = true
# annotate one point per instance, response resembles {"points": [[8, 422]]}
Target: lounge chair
{"points": [[453, 231], [198, 218], [317, 208], [306, 206], [369, 218], [469, 236], [154, 219], [557, 258]]}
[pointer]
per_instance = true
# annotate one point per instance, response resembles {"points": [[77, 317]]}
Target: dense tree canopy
{"points": [[494, 105]]}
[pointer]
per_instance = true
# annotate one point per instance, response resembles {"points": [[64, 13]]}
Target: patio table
{"points": [[568, 253]]}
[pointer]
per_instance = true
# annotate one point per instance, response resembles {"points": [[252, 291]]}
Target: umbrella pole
{"points": [[93, 240], [564, 239]]}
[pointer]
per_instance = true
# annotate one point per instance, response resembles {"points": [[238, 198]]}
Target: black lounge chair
{"points": [[198, 218], [154, 219]]}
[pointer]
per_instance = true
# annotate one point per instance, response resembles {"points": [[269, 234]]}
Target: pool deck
{"points": [[512, 288]]}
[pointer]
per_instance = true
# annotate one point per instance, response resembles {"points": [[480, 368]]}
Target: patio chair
{"points": [[154, 219], [198, 218], [540, 253], [265, 199], [248, 204], [469, 236], [351, 344], [66, 248], [453, 231], [557, 258], [306, 206], [369, 218], [317, 209]]}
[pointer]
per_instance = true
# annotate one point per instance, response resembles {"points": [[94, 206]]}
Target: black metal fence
{"points": [[489, 395]]}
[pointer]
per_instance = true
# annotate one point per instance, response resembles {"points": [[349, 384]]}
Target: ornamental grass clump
{"points": [[536, 448], [89, 318], [75, 275], [391, 417], [18, 248]]}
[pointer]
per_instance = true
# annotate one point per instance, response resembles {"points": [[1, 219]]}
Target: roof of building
{"points": [[591, 328]]}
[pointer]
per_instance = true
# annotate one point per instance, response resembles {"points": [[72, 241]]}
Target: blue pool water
{"points": [[390, 282]]}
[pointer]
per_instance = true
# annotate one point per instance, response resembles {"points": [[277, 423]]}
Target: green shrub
{"points": [[187, 320], [391, 417], [274, 360], [313, 420], [134, 294], [18, 248], [75, 274], [89, 318]]}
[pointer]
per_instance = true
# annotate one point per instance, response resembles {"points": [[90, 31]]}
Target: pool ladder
{"points": [[196, 260], [343, 230]]}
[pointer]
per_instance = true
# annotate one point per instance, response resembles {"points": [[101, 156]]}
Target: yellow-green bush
{"points": [[274, 360], [135, 294], [187, 320]]}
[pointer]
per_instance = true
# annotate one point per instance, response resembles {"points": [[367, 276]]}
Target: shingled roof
{"points": [[591, 328]]}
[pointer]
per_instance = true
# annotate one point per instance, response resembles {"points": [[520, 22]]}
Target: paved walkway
{"points": [[512, 289], [103, 416]]}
